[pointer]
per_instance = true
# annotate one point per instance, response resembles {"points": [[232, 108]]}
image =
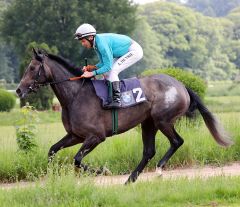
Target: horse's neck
{"points": [[65, 91]]}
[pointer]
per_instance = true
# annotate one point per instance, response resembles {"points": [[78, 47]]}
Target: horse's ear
{"points": [[34, 52], [38, 56]]}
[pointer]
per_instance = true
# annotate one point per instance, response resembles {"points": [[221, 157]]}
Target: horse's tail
{"points": [[215, 128]]}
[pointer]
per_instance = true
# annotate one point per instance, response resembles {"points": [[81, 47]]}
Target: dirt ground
{"points": [[232, 169]]}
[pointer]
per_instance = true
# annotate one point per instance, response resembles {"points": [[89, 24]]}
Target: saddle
{"points": [[131, 92]]}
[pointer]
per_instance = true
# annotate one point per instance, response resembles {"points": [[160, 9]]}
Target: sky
{"points": [[149, 1], [143, 1]]}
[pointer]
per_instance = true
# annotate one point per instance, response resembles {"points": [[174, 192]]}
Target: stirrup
{"points": [[112, 105]]}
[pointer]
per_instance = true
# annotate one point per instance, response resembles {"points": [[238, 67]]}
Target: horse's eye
{"points": [[31, 68]]}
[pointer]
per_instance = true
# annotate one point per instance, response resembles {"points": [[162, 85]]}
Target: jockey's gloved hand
{"points": [[89, 68], [87, 74]]}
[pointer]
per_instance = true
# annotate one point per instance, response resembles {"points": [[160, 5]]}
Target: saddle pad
{"points": [[131, 92]]}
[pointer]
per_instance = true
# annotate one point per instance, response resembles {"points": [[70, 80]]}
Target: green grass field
{"points": [[62, 190], [223, 103], [120, 153], [223, 88], [10, 119]]}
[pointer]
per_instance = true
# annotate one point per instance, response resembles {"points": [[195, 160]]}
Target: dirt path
{"points": [[202, 172]]}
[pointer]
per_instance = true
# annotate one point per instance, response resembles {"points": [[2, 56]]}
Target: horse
{"points": [[86, 122]]}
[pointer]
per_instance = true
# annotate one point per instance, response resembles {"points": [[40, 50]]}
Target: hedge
{"points": [[7, 100], [187, 78]]}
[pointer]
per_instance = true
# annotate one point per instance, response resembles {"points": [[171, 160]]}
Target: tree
{"points": [[6, 71], [190, 40], [7, 57], [232, 47], [54, 22], [213, 7], [153, 55]]}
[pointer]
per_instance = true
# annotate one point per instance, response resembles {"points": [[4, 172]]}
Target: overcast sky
{"points": [[148, 1], [143, 1]]}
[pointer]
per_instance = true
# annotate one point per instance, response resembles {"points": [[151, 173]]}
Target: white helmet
{"points": [[84, 30]]}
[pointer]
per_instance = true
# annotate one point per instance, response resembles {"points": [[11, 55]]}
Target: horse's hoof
{"points": [[159, 171], [132, 178], [106, 171], [103, 171], [128, 182]]}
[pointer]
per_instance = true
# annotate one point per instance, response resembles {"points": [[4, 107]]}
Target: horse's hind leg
{"points": [[148, 136], [175, 141]]}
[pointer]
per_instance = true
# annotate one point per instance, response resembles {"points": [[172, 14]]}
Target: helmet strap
{"points": [[90, 41]]}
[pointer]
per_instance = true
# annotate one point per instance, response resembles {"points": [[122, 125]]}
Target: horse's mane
{"points": [[66, 64]]}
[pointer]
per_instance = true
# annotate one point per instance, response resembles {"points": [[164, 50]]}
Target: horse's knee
{"points": [[149, 154], [180, 143], [177, 143]]}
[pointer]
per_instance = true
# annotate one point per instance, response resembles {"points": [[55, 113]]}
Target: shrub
{"points": [[187, 78], [42, 100], [7, 100], [26, 129]]}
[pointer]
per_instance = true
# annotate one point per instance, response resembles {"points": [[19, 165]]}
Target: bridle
{"points": [[36, 84]]}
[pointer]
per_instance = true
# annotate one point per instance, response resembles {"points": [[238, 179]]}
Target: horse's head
{"points": [[34, 75]]}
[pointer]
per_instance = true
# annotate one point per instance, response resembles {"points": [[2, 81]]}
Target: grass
{"points": [[223, 88], [10, 119], [223, 103], [223, 96], [121, 153], [61, 190]]}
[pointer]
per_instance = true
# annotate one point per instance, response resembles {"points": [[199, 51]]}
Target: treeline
{"points": [[172, 35], [176, 36], [54, 23], [213, 8]]}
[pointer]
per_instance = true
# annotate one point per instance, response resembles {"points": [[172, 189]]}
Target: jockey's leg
{"points": [[115, 96], [135, 54]]}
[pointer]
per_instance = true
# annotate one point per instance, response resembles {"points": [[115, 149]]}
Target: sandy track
{"points": [[201, 172]]}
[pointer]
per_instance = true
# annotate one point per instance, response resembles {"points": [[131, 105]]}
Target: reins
{"points": [[36, 84]]}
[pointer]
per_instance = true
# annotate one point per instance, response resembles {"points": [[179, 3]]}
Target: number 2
{"points": [[139, 94]]}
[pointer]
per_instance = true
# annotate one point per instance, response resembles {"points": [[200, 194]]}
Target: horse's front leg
{"points": [[67, 141], [88, 145]]}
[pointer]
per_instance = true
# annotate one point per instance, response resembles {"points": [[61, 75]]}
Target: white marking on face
{"points": [[170, 96]]}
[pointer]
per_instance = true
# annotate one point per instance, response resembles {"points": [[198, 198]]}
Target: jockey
{"points": [[116, 52]]}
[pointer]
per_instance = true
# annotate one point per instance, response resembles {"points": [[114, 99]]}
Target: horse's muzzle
{"points": [[20, 93]]}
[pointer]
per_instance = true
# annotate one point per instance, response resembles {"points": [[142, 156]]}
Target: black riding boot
{"points": [[116, 101]]}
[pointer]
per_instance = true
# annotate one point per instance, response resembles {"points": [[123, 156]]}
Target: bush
{"points": [[26, 129], [42, 100], [7, 100], [187, 78]]}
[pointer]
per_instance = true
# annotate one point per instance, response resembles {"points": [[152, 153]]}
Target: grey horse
{"points": [[86, 122]]}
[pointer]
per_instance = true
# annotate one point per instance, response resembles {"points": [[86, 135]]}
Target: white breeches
{"points": [[134, 54]]}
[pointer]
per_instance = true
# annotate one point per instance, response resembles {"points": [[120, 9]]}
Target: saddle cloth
{"points": [[131, 92]]}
